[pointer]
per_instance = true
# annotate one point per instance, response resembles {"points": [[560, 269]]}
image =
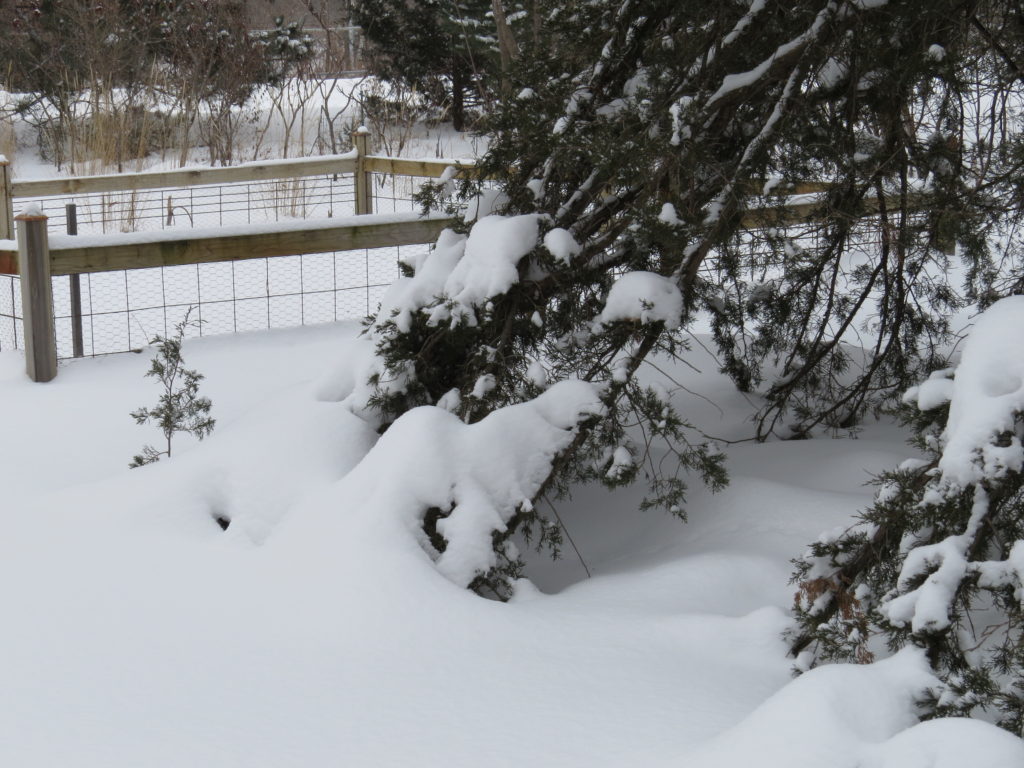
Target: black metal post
{"points": [[77, 345]]}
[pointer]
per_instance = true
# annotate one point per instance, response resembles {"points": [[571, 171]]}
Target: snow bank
{"points": [[477, 475], [947, 743], [857, 715], [318, 629]]}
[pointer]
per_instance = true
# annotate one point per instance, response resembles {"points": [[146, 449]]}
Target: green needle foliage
{"points": [[180, 408], [663, 137]]}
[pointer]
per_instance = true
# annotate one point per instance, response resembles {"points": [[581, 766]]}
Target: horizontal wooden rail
{"points": [[187, 177], [400, 166], [9, 258], [814, 211], [76, 255]]}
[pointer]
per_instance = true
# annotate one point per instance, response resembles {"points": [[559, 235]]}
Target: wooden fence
{"points": [[37, 257]]}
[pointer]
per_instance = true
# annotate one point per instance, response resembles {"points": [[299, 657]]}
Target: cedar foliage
{"points": [[647, 131], [931, 563], [447, 51], [180, 408]]}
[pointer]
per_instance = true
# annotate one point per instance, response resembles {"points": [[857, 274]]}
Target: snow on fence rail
{"points": [[330, 259]]}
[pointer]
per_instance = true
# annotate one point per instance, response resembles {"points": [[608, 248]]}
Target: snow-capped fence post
{"points": [[77, 345], [36, 295], [363, 187], [6, 200]]}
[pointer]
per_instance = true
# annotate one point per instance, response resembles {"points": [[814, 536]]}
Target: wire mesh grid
{"points": [[10, 313], [124, 310], [209, 205], [392, 194], [766, 250]]}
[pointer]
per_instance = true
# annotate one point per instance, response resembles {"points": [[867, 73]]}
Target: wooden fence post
{"points": [[6, 201], [36, 295], [363, 186]]}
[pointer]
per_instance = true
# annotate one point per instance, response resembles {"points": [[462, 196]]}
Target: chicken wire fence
{"points": [[10, 312], [209, 205], [123, 310]]}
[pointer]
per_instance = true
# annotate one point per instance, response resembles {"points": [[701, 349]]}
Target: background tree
{"points": [[447, 50], [64, 57]]}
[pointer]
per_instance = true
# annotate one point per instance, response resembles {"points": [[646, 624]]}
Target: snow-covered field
{"points": [[315, 631]]}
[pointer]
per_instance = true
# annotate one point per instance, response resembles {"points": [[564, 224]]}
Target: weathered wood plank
{"points": [[67, 260], [362, 181], [756, 187], [36, 298], [814, 212], [186, 177], [400, 166], [8, 262]]}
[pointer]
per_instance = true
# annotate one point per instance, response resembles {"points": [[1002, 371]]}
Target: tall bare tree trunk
{"points": [[506, 45]]}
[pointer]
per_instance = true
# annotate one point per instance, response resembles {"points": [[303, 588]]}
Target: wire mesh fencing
{"points": [[124, 310], [208, 205], [11, 334]]}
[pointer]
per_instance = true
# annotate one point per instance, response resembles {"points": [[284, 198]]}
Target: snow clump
{"points": [[645, 297], [987, 393]]}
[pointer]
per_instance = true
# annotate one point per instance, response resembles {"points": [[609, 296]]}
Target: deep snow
{"points": [[315, 631]]}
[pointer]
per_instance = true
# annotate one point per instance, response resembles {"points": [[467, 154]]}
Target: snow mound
{"points": [[477, 475], [948, 743], [858, 715]]}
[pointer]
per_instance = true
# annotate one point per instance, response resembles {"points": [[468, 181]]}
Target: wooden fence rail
{"points": [[357, 163], [41, 257], [80, 255], [26, 249]]}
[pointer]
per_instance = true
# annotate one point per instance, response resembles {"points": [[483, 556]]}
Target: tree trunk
{"points": [[506, 45], [458, 102]]}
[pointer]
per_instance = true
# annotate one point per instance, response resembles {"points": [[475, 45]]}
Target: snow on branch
{"points": [[476, 476], [987, 396]]}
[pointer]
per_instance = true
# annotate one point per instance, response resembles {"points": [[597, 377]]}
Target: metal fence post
{"points": [[36, 295], [77, 344], [6, 200], [363, 187]]}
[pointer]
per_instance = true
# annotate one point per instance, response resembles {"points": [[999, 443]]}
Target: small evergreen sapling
{"points": [[180, 408]]}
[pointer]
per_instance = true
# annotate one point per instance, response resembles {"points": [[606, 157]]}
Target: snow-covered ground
{"points": [[315, 631]]}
